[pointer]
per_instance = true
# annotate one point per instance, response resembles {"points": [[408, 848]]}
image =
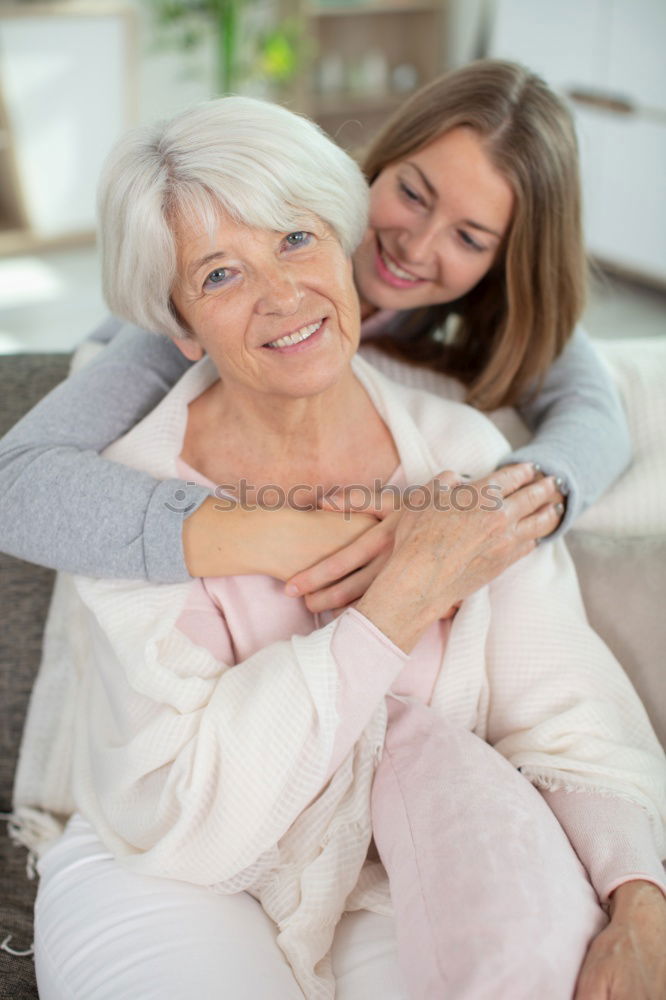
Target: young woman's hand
{"points": [[343, 577], [532, 509], [627, 960], [226, 540]]}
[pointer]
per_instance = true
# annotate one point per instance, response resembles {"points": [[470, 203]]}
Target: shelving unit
{"points": [[354, 81], [611, 69], [13, 217], [67, 89]]}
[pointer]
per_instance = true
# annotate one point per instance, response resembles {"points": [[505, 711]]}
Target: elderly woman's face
{"points": [[277, 312]]}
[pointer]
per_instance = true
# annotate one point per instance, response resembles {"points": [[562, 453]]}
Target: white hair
{"points": [[264, 166]]}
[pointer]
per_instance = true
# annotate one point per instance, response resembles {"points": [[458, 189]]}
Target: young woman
{"points": [[472, 265]]}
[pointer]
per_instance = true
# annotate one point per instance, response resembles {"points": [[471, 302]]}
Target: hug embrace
{"points": [[321, 752]]}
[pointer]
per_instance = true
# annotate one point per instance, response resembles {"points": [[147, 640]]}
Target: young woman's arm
{"points": [[68, 508], [581, 438], [580, 429], [64, 506]]}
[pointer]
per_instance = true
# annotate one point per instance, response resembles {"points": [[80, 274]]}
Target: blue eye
{"points": [[298, 239], [217, 277]]}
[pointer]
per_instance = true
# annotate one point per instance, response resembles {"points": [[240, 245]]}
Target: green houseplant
{"points": [[274, 50]]}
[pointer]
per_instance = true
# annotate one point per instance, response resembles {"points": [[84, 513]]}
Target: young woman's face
{"points": [[437, 219]]}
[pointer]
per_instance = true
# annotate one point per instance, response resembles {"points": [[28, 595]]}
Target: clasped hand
{"points": [[500, 520]]}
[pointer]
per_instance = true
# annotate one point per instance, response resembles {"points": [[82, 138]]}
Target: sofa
{"points": [[26, 590], [623, 580]]}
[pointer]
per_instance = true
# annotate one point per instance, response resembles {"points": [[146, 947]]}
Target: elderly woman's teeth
{"points": [[397, 271], [296, 338]]}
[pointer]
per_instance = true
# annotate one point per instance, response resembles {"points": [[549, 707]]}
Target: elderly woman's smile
{"points": [[276, 311], [292, 341]]}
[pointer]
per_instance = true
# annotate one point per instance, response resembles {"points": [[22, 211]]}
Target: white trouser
{"points": [[104, 933]]}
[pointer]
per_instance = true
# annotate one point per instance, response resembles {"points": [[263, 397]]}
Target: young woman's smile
{"points": [[392, 272], [437, 220]]}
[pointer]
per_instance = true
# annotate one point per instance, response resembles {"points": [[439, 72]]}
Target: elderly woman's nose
{"points": [[280, 293]]}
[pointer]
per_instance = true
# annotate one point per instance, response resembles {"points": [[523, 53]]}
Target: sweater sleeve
{"points": [[66, 507], [223, 758], [612, 838], [580, 429]]}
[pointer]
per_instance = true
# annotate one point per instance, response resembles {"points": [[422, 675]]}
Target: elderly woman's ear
{"points": [[186, 344]]}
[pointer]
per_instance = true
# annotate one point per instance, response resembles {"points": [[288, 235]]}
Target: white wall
{"points": [[168, 79], [606, 57], [64, 81], [465, 23]]}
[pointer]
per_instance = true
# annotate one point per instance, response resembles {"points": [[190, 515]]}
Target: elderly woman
{"points": [[231, 749]]}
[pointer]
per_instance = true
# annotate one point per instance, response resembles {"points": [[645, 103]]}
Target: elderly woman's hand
{"points": [[450, 547], [627, 960], [531, 510]]}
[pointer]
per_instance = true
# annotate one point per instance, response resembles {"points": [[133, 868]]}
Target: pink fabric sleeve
{"points": [[367, 662], [611, 836], [360, 649], [204, 623]]}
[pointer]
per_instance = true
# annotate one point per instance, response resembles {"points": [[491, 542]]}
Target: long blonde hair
{"points": [[518, 318]]}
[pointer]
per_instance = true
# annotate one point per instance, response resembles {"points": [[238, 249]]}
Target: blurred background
{"points": [[75, 73]]}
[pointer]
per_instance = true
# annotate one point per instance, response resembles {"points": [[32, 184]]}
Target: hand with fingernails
{"points": [[532, 506]]}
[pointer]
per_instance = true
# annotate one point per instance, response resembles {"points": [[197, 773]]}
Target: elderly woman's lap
{"points": [[102, 932]]}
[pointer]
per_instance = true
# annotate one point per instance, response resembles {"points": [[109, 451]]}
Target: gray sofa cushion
{"points": [[26, 590]]}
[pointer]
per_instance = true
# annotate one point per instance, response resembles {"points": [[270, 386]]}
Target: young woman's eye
{"points": [[298, 239], [469, 242], [217, 277], [410, 194]]}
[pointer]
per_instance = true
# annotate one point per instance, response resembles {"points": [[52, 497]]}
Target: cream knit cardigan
{"points": [[175, 757]]}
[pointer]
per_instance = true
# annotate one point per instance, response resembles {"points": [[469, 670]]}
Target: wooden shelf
{"points": [[20, 241], [13, 216], [30, 222], [62, 8], [342, 82], [372, 10], [350, 104]]}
